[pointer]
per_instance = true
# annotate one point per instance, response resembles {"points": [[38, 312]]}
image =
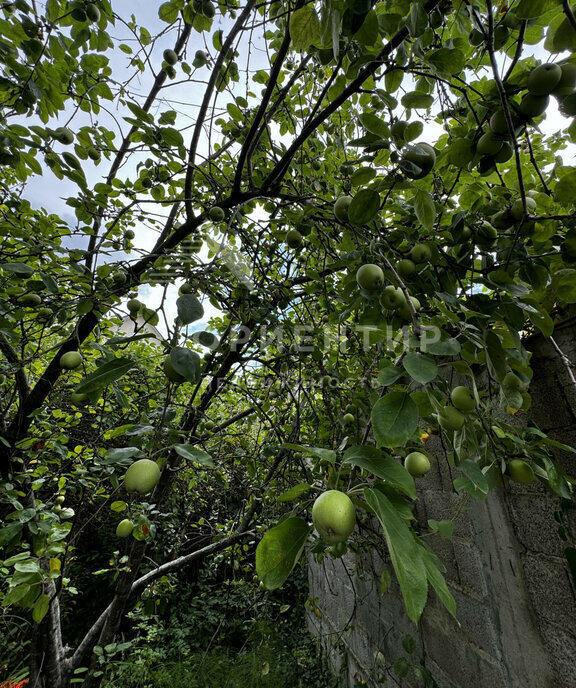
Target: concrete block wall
{"points": [[516, 600]]}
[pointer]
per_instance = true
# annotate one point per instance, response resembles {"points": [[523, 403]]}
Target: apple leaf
{"points": [[394, 418], [434, 570], [293, 492], [420, 368], [424, 208], [104, 375], [189, 309], [187, 451], [374, 124], [279, 550], [474, 473], [530, 9], [364, 207], [388, 469], [41, 608], [186, 363], [404, 551], [305, 28], [417, 100]]}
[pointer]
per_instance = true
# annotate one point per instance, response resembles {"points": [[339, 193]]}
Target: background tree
{"points": [[274, 160]]}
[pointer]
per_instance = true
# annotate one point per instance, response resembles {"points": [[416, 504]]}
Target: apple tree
{"points": [[339, 216]]}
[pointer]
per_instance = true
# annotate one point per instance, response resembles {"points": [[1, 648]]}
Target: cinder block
{"points": [[560, 647], [550, 589], [470, 569], [534, 524]]}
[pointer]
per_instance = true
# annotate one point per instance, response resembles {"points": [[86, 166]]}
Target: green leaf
{"points": [[565, 281], [384, 467], [294, 492], [20, 269], [364, 207], [496, 356], [362, 176], [186, 363], [404, 553], [474, 473], [320, 452], [14, 595], [425, 208], [189, 309], [418, 20], [393, 80], [413, 131], [389, 375], [434, 570], [194, 454], [394, 419], [444, 528], [104, 375], [118, 506], [41, 607], [530, 9], [446, 61], [441, 347], [279, 550], [168, 12], [305, 29], [420, 367], [564, 189], [417, 100], [374, 124], [171, 137]]}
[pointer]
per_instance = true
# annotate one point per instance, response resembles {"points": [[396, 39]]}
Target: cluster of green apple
{"points": [[453, 417], [543, 81], [370, 278]]}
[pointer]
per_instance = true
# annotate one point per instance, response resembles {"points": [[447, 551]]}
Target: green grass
{"points": [[263, 667]]}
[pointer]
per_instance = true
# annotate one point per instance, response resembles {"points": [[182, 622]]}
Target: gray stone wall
{"points": [[506, 568]]}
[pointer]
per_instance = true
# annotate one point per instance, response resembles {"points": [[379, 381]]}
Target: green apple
{"points": [[502, 220], [533, 106], [544, 79], [64, 135], [420, 253], [216, 213], [489, 144], [341, 208], [92, 12], [498, 123], [567, 105], [129, 234], [486, 234], [294, 238], [70, 360], [422, 156], [334, 516], [504, 154], [463, 399], [348, 419], [392, 297], [451, 418], [170, 373], [567, 81], [142, 476], [170, 57], [417, 464], [134, 305], [520, 471], [370, 277], [124, 528], [94, 154], [405, 268], [30, 300], [517, 209], [404, 310]]}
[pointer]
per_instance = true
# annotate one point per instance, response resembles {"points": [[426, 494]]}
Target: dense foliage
{"points": [[257, 183]]}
